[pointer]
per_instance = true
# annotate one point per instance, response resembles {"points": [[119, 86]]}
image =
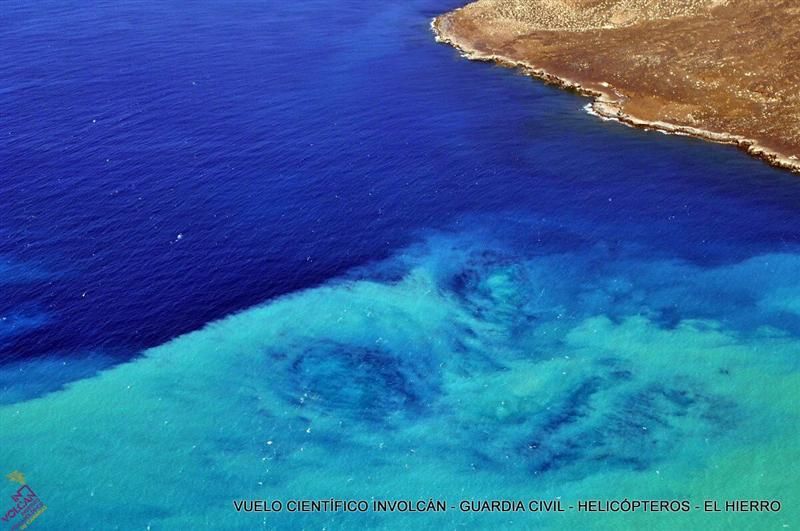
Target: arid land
{"points": [[723, 70]]}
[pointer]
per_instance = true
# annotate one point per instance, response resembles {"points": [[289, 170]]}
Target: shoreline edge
{"points": [[608, 106]]}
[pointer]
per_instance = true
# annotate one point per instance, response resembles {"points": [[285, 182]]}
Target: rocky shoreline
{"points": [[607, 101]]}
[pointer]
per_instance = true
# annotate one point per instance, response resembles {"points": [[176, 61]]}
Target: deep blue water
{"points": [[287, 142], [164, 165]]}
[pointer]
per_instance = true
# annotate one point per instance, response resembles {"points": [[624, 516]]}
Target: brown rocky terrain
{"points": [[725, 70]]}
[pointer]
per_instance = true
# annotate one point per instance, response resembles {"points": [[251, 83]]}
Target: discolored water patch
{"points": [[357, 382], [616, 421]]}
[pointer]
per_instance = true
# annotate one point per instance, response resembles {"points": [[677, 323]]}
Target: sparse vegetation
{"points": [[728, 68]]}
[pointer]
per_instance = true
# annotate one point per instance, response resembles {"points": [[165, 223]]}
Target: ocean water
{"points": [[299, 250]]}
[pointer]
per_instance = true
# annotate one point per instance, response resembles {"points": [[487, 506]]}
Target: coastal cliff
{"points": [[726, 71]]}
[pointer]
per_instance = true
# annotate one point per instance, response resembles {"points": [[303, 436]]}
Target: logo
{"points": [[26, 504]]}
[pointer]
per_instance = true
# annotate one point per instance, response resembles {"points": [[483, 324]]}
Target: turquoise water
{"points": [[467, 366], [255, 251]]}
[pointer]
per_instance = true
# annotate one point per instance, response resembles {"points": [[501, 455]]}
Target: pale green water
{"points": [[457, 369]]}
